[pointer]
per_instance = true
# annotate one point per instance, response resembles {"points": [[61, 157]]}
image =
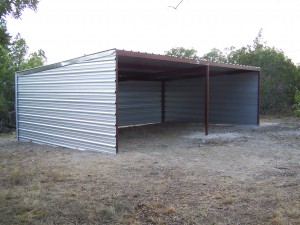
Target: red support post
{"points": [[206, 99], [163, 90], [117, 86], [258, 98]]}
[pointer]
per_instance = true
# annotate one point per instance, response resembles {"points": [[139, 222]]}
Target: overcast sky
{"points": [[71, 28]]}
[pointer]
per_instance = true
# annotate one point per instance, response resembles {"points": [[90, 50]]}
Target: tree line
{"points": [[14, 56], [280, 77]]}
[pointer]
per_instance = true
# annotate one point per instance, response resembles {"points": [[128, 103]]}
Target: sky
{"points": [[66, 29]]}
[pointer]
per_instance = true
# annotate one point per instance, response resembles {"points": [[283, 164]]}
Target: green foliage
{"points": [[182, 52], [297, 104], [4, 35], [35, 59], [15, 8], [13, 57], [6, 87], [215, 55], [279, 74], [9, 63], [18, 50]]}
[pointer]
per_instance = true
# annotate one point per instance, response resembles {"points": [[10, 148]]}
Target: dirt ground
{"points": [[164, 174]]}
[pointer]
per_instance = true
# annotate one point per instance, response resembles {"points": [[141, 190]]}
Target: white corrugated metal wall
{"points": [[71, 106]]}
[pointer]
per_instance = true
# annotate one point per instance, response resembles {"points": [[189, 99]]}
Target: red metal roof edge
{"points": [[234, 66], [146, 55]]}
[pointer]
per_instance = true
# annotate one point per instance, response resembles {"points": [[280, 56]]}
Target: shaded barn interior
{"points": [[155, 89]]}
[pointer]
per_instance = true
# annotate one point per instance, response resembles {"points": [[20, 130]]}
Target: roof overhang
{"points": [[145, 66]]}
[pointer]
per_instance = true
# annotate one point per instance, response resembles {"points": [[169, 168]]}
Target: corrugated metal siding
{"points": [[139, 102], [72, 106], [185, 100], [233, 99]]}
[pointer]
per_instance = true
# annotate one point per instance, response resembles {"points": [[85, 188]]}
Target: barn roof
{"points": [[146, 66]]}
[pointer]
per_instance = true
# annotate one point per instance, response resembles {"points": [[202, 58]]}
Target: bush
{"points": [[297, 104]]}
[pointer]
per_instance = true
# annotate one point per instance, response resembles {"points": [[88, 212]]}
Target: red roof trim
{"points": [[182, 60]]}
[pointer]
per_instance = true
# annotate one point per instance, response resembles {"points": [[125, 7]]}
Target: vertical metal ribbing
{"points": [[206, 99], [16, 106], [163, 101], [117, 124], [258, 97]]}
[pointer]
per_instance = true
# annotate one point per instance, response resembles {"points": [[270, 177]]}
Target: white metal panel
{"points": [[139, 102], [184, 100], [72, 106]]}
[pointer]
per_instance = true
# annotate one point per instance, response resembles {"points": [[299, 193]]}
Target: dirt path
{"points": [[164, 174]]}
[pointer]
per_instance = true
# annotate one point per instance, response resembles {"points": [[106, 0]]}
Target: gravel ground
{"points": [[164, 174]]}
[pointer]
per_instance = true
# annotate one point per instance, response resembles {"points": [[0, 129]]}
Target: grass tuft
{"points": [[277, 219], [168, 210]]}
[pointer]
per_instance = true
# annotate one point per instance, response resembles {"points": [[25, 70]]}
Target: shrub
{"points": [[297, 104]]}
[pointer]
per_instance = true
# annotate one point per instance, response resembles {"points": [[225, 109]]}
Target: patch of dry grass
{"points": [[32, 192], [278, 219], [287, 214], [22, 193], [157, 180]]}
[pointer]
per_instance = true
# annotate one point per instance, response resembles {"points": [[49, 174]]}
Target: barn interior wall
{"points": [[185, 100], [233, 99], [139, 102]]}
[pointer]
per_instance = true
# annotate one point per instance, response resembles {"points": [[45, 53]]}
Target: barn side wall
{"points": [[71, 106], [234, 99], [139, 102], [185, 100]]}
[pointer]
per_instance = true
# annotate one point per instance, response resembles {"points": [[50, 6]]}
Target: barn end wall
{"points": [[139, 102], [71, 106], [234, 99]]}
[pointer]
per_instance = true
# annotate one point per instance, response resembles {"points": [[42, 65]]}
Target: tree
{"points": [[6, 88], [182, 52], [18, 50], [4, 35], [297, 104], [215, 55], [257, 42], [279, 74], [15, 8], [35, 59], [13, 57]]}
